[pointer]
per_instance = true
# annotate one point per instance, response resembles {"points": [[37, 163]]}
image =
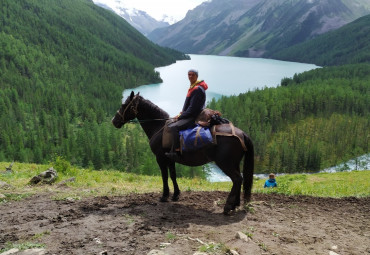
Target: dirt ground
{"points": [[138, 224]]}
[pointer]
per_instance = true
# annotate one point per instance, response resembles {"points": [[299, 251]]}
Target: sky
{"points": [[158, 8]]}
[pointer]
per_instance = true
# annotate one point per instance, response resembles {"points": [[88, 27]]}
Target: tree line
{"points": [[63, 67], [312, 121]]}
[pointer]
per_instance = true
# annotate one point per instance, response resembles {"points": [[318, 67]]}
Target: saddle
{"points": [[208, 121]]}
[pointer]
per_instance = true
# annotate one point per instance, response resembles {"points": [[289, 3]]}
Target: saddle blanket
{"points": [[195, 138]]}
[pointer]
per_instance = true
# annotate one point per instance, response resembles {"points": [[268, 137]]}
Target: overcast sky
{"points": [[157, 8]]}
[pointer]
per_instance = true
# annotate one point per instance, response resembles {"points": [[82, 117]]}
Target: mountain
{"points": [[63, 67], [256, 28], [140, 20], [349, 44]]}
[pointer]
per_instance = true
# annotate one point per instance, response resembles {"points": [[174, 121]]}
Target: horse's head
{"points": [[127, 111]]}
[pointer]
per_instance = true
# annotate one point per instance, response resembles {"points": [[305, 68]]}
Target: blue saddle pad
{"points": [[195, 138]]}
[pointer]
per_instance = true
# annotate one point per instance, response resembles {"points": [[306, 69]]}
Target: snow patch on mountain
{"points": [[125, 7], [139, 19]]}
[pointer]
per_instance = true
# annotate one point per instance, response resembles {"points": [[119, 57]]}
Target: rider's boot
{"points": [[175, 144]]}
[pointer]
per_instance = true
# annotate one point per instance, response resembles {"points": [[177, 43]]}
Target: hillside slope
{"points": [[256, 28], [63, 67], [347, 45]]}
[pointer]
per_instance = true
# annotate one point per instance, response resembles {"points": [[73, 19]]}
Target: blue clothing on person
{"points": [[270, 183]]}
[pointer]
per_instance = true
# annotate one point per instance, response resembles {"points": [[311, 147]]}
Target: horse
{"points": [[227, 153]]}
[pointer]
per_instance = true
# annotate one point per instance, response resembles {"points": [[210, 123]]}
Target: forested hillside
{"points": [[315, 120], [348, 44], [63, 67]]}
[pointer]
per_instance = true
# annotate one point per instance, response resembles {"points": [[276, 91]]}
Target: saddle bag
{"points": [[209, 117], [195, 138]]}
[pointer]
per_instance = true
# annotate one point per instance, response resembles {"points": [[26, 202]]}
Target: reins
{"points": [[134, 107], [136, 121]]}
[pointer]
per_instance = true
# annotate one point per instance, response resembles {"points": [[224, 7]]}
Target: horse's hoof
{"points": [[163, 199], [227, 212], [227, 209], [175, 198]]}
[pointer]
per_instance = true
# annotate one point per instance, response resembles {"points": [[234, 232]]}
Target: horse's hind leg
{"points": [[176, 190], [233, 200]]}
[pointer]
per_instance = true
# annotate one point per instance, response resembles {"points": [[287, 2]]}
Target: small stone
{"points": [[32, 252], [4, 185], [62, 183], [156, 252], [11, 251], [97, 240], [242, 236], [333, 253], [164, 245], [70, 199], [47, 177]]}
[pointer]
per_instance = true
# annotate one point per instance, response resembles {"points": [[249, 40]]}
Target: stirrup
{"points": [[172, 155]]}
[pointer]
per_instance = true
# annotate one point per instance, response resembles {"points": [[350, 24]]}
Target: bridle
{"points": [[132, 106]]}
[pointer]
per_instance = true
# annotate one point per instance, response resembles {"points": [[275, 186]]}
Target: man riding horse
{"points": [[231, 146], [194, 104]]}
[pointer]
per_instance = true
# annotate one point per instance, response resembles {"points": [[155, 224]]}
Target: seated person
{"points": [[194, 104], [271, 182]]}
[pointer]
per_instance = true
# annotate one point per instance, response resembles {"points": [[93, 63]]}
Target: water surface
{"points": [[224, 76]]}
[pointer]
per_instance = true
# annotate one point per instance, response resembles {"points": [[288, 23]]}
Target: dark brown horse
{"points": [[227, 154]]}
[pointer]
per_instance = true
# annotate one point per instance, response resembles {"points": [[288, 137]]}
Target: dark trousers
{"points": [[176, 127]]}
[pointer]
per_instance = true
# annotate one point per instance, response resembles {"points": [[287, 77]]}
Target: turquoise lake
{"points": [[224, 76]]}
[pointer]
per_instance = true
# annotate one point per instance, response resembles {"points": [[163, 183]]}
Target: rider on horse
{"points": [[194, 104]]}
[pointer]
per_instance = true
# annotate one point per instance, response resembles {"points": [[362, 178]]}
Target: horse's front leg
{"points": [[176, 190], [164, 172]]}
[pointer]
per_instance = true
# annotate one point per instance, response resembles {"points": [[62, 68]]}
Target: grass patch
{"points": [[249, 232], [40, 235], [21, 246], [115, 183], [263, 246], [7, 197], [93, 183], [214, 248], [341, 184], [170, 236]]}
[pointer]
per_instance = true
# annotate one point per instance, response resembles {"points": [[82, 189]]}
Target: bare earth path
{"points": [[138, 224]]}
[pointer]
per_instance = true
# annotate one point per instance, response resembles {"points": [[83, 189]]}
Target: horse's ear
{"points": [[138, 93], [132, 95]]}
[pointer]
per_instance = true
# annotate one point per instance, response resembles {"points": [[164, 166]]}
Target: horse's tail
{"points": [[248, 169]]}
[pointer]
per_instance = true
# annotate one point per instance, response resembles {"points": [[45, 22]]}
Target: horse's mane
{"points": [[150, 107]]}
